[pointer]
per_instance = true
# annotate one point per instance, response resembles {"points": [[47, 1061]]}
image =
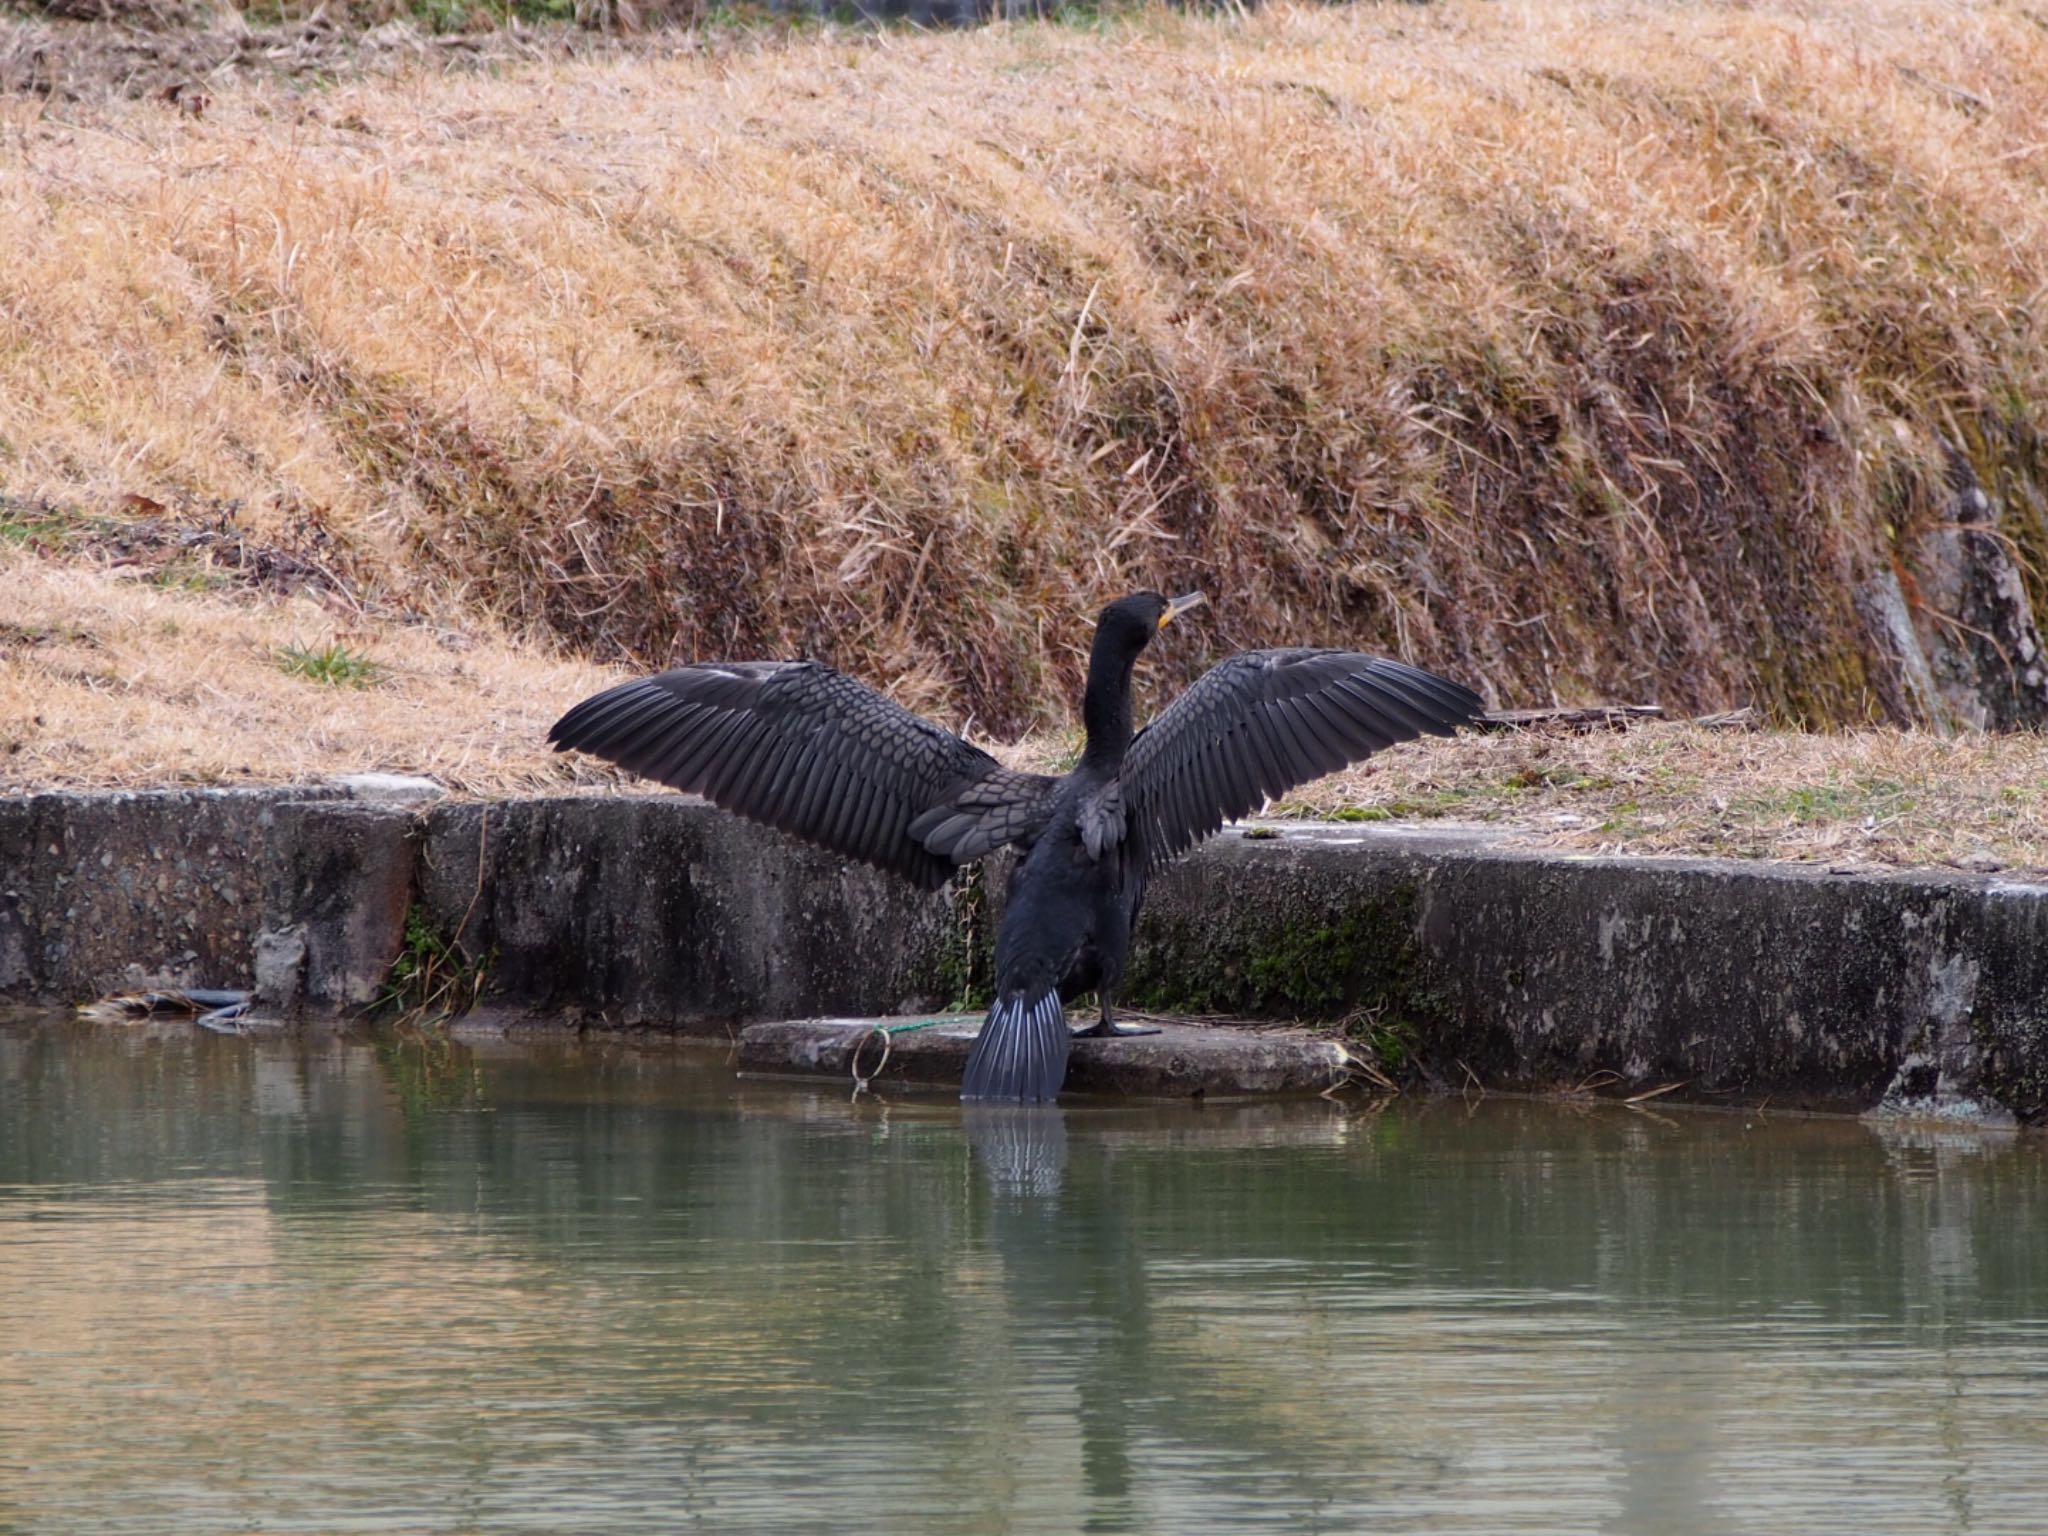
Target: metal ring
{"points": [[861, 1084]]}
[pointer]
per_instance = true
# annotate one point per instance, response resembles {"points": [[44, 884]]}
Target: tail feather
{"points": [[1021, 1053]]}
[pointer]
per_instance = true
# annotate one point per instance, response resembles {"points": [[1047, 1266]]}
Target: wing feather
{"points": [[859, 798], [1393, 712], [697, 748], [1345, 738], [1006, 807], [776, 775], [1264, 722], [733, 757], [811, 792], [1329, 744], [1297, 742], [806, 749]]}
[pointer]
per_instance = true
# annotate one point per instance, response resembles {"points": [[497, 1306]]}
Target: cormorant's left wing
{"points": [[1264, 722], [806, 749]]}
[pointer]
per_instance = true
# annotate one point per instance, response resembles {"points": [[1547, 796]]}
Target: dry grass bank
{"points": [[1886, 797], [1589, 348], [122, 678], [165, 672]]}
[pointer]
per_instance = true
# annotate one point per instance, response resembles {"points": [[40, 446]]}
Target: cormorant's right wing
{"points": [[1005, 807], [1262, 723], [801, 747]]}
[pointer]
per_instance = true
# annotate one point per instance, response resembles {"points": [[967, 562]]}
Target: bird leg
{"points": [[1107, 1027]]}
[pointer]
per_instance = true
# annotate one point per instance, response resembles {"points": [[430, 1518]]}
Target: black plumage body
{"points": [[803, 748], [1066, 928]]}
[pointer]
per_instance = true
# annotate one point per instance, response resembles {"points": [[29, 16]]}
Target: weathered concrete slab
{"points": [[1744, 981], [1181, 1061], [104, 891], [652, 909], [626, 910]]}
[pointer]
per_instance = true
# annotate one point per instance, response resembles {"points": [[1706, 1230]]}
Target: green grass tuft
{"points": [[336, 666], [34, 525], [433, 976]]}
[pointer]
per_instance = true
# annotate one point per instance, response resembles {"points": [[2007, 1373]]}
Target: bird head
{"points": [[1128, 624]]}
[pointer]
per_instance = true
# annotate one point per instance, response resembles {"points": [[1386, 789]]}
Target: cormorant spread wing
{"points": [[801, 747], [1262, 723]]}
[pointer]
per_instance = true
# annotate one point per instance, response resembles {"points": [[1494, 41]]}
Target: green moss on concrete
{"points": [[1306, 970], [1307, 962], [966, 960]]}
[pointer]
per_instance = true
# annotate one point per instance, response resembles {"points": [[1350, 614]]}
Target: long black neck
{"points": [[1106, 706]]}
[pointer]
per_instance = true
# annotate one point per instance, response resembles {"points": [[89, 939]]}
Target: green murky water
{"points": [[334, 1286]]}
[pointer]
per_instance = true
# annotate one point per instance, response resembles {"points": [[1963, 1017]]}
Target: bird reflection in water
{"points": [[1070, 1262], [1021, 1149]]}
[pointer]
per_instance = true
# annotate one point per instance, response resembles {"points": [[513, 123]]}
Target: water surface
{"points": [[334, 1286]]}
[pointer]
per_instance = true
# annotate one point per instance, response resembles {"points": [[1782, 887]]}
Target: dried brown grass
{"points": [[1592, 349], [108, 679], [111, 678], [1843, 798]]}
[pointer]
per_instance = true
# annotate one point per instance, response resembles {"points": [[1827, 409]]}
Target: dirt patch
{"points": [[183, 54], [191, 548], [183, 62], [182, 51], [148, 15]]}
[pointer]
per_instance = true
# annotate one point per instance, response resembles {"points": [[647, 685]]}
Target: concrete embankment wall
{"points": [[1452, 958]]}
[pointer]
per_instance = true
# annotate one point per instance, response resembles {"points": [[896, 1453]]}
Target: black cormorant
{"points": [[801, 747]]}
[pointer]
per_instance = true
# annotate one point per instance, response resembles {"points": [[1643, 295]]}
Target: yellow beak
{"points": [[1179, 606]]}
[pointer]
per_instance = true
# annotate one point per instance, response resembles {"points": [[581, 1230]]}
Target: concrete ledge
{"points": [[108, 890], [652, 909], [1450, 958], [621, 910], [1925, 992], [1181, 1061]]}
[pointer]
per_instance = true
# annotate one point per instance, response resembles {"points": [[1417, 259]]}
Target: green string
{"points": [[904, 1029]]}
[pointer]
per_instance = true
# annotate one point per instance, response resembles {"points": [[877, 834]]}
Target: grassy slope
{"points": [[1589, 350], [1594, 349]]}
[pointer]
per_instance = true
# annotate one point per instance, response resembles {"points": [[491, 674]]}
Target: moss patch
{"points": [[1305, 962], [967, 962]]}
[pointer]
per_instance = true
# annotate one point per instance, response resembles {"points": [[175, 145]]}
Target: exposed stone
{"points": [[1882, 602], [1968, 647], [280, 963], [1181, 1061], [388, 788]]}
